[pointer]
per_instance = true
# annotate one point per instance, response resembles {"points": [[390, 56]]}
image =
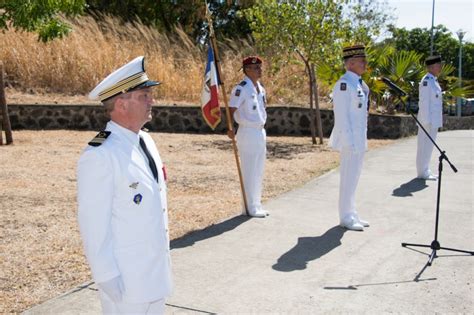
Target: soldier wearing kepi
{"points": [[430, 115], [122, 206], [247, 106], [349, 135]]}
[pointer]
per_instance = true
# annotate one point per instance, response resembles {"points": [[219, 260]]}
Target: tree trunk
{"points": [[4, 111], [318, 112], [311, 107]]}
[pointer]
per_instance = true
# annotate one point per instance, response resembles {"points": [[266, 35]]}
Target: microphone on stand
{"points": [[393, 87]]}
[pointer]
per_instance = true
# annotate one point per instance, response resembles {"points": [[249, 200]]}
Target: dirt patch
{"points": [[41, 251]]}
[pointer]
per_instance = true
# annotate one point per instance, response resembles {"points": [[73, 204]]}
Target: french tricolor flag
{"points": [[210, 96]]}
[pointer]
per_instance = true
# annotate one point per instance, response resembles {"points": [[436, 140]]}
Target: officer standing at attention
{"points": [[247, 106], [122, 204], [430, 115], [349, 135]]}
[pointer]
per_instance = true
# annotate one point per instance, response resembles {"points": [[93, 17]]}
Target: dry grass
{"points": [[75, 64], [41, 253]]}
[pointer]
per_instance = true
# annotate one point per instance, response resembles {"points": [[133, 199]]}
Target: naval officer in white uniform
{"points": [[430, 115], [122, 209], [349, 135], [247, 105]]}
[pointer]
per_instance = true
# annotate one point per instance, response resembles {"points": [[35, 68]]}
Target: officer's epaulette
{"points": [[100, 138], [243, 83]]}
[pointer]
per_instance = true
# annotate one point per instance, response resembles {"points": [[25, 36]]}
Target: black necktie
{"points": [[151, 162], [368, 101]]}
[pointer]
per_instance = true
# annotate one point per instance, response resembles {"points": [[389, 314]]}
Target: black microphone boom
{"points": [[392, 86]]}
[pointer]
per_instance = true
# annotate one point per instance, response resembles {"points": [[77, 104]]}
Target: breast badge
{"points": [[137, 199], [133, 185], [343, 86]]}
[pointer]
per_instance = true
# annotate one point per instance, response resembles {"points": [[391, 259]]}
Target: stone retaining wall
{"points": [[281, 120]]}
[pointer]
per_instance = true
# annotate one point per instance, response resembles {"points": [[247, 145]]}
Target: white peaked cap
{"points": [[125, 79]]}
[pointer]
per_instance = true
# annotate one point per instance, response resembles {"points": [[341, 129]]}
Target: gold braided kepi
{"points": [[353, 51], [431, 60]]}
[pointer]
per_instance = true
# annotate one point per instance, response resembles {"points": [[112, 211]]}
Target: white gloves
{"points": [[113, 288]]}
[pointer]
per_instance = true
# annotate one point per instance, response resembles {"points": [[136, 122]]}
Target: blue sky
{"points": [[454, 14]]}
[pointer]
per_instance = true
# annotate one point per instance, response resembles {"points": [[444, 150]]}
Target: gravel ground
{"points": [[40, 248]]}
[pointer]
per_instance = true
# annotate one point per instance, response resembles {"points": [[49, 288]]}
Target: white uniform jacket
{"points": [[430, 105], [249, 103], [350, 98], [123, 215]]}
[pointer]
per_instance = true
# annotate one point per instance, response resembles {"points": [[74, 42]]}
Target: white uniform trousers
{"points": [[111, 307], [424, 150], [251, 143], [351, 167]]}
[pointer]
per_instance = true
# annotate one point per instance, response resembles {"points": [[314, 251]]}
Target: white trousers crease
{"points": [[350, 169], [251, 143], [424, 150], [111, 307]]}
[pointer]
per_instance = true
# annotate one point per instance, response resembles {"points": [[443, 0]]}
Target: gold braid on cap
{"points": [[353, 52], [124, 85]]}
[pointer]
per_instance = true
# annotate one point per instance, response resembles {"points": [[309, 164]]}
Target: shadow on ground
{"points": [[407, 189], [308, 249], [275, 149], [211, 231]]}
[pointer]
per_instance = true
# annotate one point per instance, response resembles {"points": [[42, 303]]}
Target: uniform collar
{"points": [[353, 77], [429, 74], [250, 83], [248, 80], [131, 136]]}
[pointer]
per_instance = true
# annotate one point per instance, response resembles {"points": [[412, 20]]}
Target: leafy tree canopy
{"points": [[43, 17], [190, 15], [444, 43], [367, 20], [312, 29]]}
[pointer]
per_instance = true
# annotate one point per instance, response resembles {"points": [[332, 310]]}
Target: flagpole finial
{"points": [[209, 20]]}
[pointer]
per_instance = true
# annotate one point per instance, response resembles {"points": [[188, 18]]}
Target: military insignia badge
{"points": [[137, 199], [343, 86], [237, 92], [133, 185], [243, 83], [360, 105], [100, 138], [425, 83], [254, 107]]}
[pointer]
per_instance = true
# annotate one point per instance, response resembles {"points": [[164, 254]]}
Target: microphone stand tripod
{"points": [[435, 245]]}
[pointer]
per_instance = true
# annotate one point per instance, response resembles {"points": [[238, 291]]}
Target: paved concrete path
{"points": [[299, 261]]}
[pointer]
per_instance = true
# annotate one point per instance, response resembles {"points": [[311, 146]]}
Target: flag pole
{"points": [[227, 110]]}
